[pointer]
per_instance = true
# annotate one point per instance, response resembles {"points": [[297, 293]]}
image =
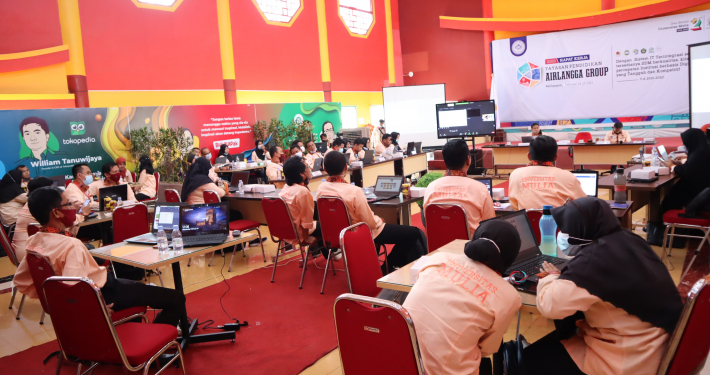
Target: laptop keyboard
{"points": [[205, 238], [533, 266]]}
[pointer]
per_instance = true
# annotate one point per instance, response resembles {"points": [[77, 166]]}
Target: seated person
{"points": [[300, 202], [459, 320], [224, 152], [296, 151], [536, 132], [274, 171], [409, 242], [615, 305], [196, 151], [259, 152], [324, 138], [24, 218], [197, 181], [385, 149], [338, 146], [348, 145], [112, 178], [125, 173], [395, 142], [12, 197], [78, 190], [25, 175], [367, 144], [147, 178], [541, 183], [207, 154], [299, 144], [356, 153], [312, 154], [70, 258], [457, 188], [618, 135]]}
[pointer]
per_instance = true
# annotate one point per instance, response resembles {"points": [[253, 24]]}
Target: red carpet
{"points": [[289, 329]]}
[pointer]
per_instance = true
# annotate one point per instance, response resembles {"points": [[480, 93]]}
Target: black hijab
{"points": [[10, 186], [695, 174], [394, 139], [259, 152], [197, 175], [617, 266], [496, 244], [147, 164]]}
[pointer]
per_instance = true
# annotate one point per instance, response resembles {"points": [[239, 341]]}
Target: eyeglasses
{"points": [[65, 205]]}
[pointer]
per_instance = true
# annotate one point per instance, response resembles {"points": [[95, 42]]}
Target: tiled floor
{"points": [[18, 335]]}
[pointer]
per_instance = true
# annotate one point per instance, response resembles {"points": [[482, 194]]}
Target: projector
{"points": [[643, 174], [661, 171], [417, 192], [498, 193]]}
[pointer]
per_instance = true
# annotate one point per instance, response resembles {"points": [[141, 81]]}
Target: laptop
{"points": [[58, 181], [322, 147], [418, 147], [236, 177], [167, 216], [527, 139], [386, 187], [115, 192], [317, 165], [204, 224], [662, 152], [488, 181], [369, 157], [410, 148], [530, 258], [589, 181]]}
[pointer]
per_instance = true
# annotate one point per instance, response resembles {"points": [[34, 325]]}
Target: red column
{"points": [[230, 91], [77, 86], [608, 4]]}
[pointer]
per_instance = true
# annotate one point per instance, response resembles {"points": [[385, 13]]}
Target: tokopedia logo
{"points": [[529, 75], [76, 141]]}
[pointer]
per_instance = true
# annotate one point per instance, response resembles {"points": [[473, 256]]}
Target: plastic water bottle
{"points": [[620, 195], [241, 187], [177, 239], [548, 231], [162, 240], [655, 162], [119, 202], [641, 154]]}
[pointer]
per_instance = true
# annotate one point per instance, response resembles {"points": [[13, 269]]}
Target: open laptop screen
{"points": [[166, 216], [488, 182], [200, 219], [528, 241], [388, 184], [662, 152], [588, 181]]}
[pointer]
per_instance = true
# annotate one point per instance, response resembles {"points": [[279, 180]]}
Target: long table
{"points": [[623, 214], [148, 258]]}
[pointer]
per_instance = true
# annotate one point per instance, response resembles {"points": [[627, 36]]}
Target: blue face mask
{"points": [[88, 179], [563, 242]]}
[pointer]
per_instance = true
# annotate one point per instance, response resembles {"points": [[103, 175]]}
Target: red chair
{"points": [[689, 345], [133, 176], [583, 136], [211, 196], [67, 182], [282, 228], [534, 216], [10, 249], [334, 217], [32, 229], [171, 196], [86, 333], [131, 221], [445, 223], [673, 220], [388, 329]]}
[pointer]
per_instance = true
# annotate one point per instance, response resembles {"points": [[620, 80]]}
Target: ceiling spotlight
{"points": [[410, 74]]}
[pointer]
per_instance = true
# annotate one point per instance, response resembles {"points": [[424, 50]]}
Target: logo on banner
{"points": [[231, 143], [518, 46], [529, 75], [697, 24], [77, 128]]}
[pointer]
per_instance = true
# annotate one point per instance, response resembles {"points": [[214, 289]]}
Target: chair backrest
{"points": [[388, 328], [278, 218], [32, 229], [78, 311], [172, 196], [67, 182], [7, 245], [334, 217], [40, 270], [534, 216], [362, 266], [445, 223], [130, 221], [157, 183], [583, 136], [210, 196], [133, 176], [689, 345]]}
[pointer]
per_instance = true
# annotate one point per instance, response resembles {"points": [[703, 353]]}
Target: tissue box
{"points": [[263, 188], [249, 188], [356, 164], [417, 192], [563, 142], [251, 165], [498, 193], [643, 174], [416, 267], [398, 155], [661, 171]]}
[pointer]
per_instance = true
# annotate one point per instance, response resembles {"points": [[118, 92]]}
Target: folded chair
{"points": [[282, 228], [334, 217], [445, 223]]}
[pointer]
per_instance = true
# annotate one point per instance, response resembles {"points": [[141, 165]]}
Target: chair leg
{"points": [[276, 262], [325, 274], [261, 241], [211, 259], [60, 360], [695, 255], [670, 245], [222, 250], [12, 299], [41, 319], [19, 310], [232, 259], [664, 253], [305, 263], [332, 265]]}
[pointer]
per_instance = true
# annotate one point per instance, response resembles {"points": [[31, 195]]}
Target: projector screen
{"points": [[699, 84], [411, 112]]}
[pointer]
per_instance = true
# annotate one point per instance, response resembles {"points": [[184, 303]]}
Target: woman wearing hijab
{"points": [[260, 152], [12, 197], [461, 306], [126, 176], [614, 304], [224, 151], [147, 178], [197, 181], [395, 141]]}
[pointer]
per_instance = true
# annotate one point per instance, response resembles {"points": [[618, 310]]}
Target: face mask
{"points": [[342, 150], [88, 179], [261, 147], [299, 154], [208, 156], [115, 177], [312, 152], [303, 149], [69, 217], [563, 242]]}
